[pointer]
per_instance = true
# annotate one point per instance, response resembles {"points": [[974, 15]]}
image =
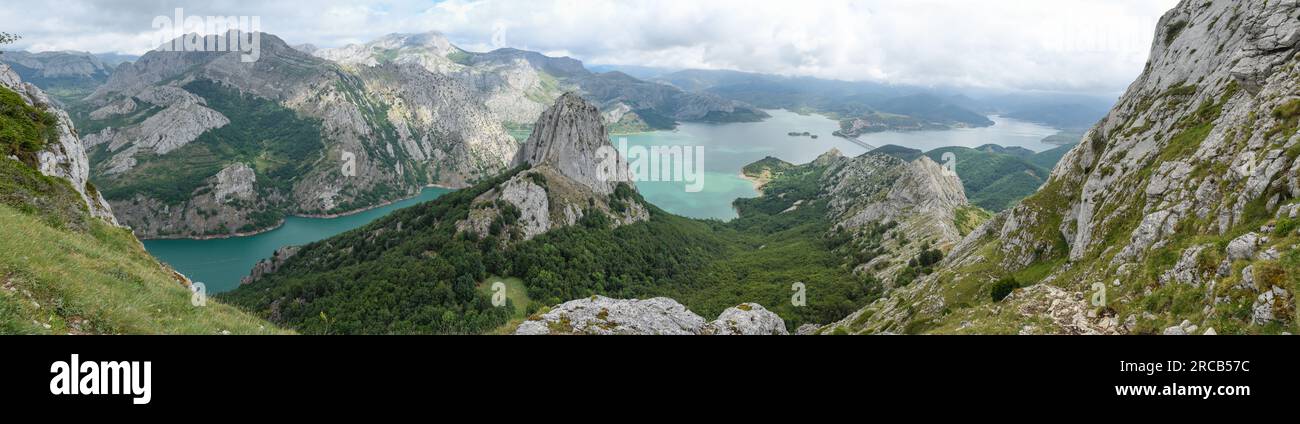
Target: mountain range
{"points": [[195, 144], [865, 106], [1176, 213], [517, 84]]}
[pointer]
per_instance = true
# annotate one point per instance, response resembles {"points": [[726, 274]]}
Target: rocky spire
{"points": [[569, 138], [573, 171]]}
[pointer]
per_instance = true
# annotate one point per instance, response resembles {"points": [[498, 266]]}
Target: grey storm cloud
{"points": [[1065, 45]]}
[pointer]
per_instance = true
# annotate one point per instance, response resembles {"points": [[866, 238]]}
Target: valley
{"points": [[386, 186]]}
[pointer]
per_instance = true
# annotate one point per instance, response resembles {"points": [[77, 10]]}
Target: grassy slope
{"points": [[63, 272], [100, 281]]}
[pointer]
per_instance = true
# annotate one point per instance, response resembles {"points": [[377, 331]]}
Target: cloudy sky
{"points": [[1094, 46]]}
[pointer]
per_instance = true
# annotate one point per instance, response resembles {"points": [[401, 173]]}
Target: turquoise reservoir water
{"points": [[221, 263], [729, 147]]}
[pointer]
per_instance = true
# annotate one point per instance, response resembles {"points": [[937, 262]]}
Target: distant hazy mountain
{"points": [[517, 85], [861, 106], [1067, 111], [640, 72], [115, 59], [66, 75], [883, 107]]}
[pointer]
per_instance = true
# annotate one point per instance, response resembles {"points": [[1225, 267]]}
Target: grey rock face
{"points": [[66, 157], [1187, 270], [1270, 304], [747, 319], [600, 315], [533, 205], [604, 316], [569, 137], [569, 174], [168, 130], [236, 182], [1243, 248]]}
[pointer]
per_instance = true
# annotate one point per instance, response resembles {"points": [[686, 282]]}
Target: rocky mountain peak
{"points": [[572, 171], [432, 40], [568, 138]]}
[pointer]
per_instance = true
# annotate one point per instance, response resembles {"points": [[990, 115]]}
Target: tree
{"points": [[7, 38]]}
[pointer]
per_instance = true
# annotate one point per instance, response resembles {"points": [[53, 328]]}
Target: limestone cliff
{"points": [[1175, 211], [65, 156]]}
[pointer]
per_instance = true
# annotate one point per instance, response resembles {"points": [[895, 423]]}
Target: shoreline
{"points": [[280, 224], [757, 182]]}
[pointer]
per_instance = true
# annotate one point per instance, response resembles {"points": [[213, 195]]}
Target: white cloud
{"points": [[1075, 45]]}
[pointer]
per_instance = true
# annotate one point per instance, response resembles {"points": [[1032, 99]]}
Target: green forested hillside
{"points": [[411, 273]]}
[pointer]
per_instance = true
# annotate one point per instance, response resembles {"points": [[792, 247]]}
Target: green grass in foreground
{"points": [[517, 294], [98, 282]]}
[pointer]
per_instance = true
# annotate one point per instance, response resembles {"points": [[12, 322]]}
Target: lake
{"points": [[729, 147], [221, 263]]}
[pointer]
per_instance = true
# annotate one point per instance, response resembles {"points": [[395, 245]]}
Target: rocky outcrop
{"points": [[181, 122], [64, 157], [571, 171], [569, 138], [747, 319], [270, 265], [919, 200], [1175, 191], [599, 315]]}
